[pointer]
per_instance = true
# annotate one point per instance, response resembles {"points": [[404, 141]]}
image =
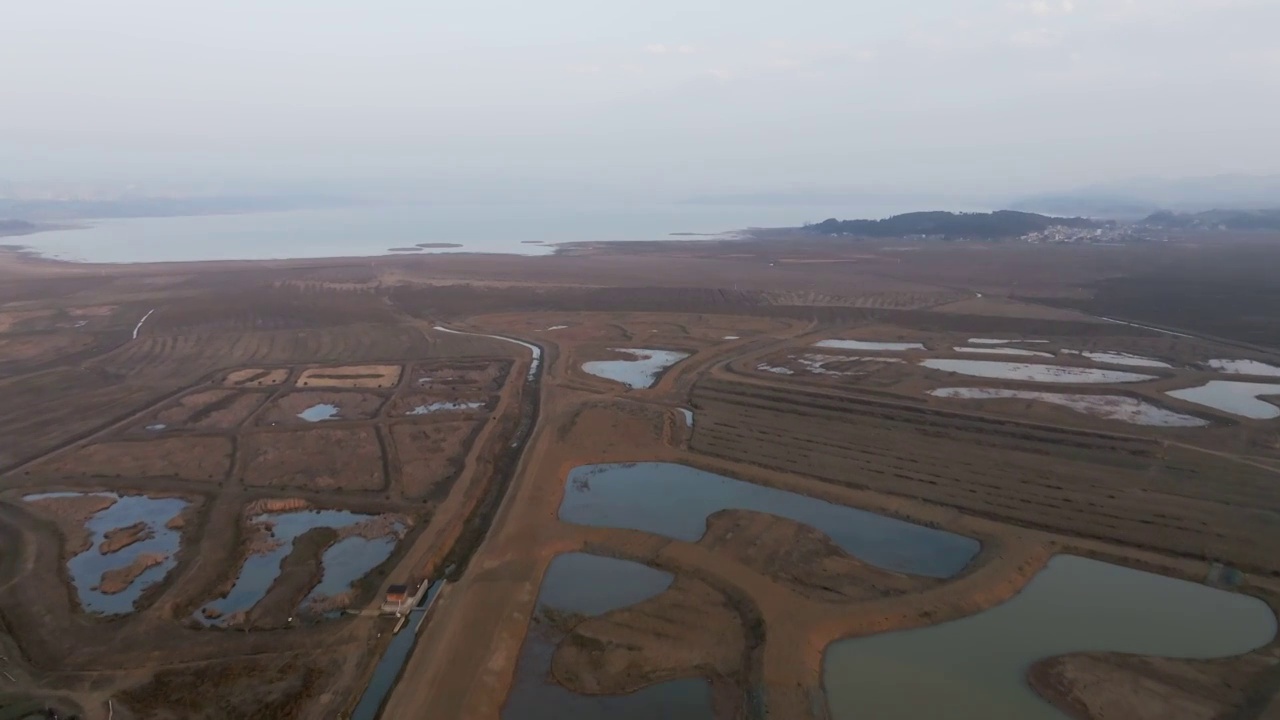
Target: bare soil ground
{"points": [[323, 458], [197, 458], [431, 455], [208, 410], [757, 599], [355, 376]]}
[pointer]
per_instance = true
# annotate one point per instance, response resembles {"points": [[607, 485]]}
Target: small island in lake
{"points": [[405, 249], [432, 246]]}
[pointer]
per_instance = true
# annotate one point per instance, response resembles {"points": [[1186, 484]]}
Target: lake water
{"points": [[1033, 373], [1245, 367], [86, 569], [639, 373], [1237, 398], [259, 572], [590, 585], [975, 668], [1107, 407], [1002, 351], [868, 345], [676, 500], [373, 230]]}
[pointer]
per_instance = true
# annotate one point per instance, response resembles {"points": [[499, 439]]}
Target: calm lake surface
{"points": [[676, 500], [591, 585], [975, 668], [372, 230]]}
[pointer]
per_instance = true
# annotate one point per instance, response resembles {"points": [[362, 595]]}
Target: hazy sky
{"points": [[656, 97]]}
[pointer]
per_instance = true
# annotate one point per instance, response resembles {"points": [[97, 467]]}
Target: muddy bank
{"points": [[117, 539], [71, 513], [118, 580], [803, 559], [299, 572]]}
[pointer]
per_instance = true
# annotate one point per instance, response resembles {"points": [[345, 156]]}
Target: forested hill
{"points": [[1217, 220], [1002, 224]]}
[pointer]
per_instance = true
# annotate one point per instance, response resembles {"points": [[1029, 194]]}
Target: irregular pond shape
{"points": [[868, 345], [259, 572], [1245, 367], [688, 416], [975, 668], [637, 374], [590, 585], [998, 341], [1002, 351], [1120, 358], [1107, 407], [558, 327], [320, 413], [86, 569], [676, 500], [157, 427], [766, 367], [1033, 372], [1237, 398], [346, 561], [731, 337], [444, 407]]}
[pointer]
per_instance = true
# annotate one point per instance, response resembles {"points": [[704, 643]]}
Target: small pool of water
{"points": [[445, 407], [640, 372], [1120, 358], [1034, 372], [676, 500], [1237, 398], [1107, 407], [1245, 367], [346, 561], [259, 572], [1002, 351], [320, 413], [975, 668], [157, 427], [590, 585], [688, 416], [86, 569], [868, 345]]}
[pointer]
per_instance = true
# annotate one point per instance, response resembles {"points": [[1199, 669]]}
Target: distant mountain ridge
{"points": [[1242, 220], [999, 225], [1140, 198]]}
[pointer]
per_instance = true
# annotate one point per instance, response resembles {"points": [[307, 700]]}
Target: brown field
{"points": [[208, 410], [431, 455], [234, 351], [324, 459], [253, 377], [354, 376]]}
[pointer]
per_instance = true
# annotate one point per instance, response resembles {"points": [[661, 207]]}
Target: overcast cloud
{"points": [[660, 97]]}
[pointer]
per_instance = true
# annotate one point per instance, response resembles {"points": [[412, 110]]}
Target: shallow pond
{"points": [[86, 569], [346, 561], [1002, 351], [1107, 407], [1237, 398], [975, 668], [590, 585], [688, 416], [638, 373], [1245, 367], [1034, 373], [445, 407], [998, 341], [260, 571], [1120, 358], [676, 500], [868, 345], [320, 413]]}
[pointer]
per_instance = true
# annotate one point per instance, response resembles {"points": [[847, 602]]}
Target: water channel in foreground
{"points": [[976, 668]]}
